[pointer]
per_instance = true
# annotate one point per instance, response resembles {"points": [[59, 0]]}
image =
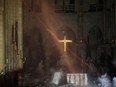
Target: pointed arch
{"points": [[95, 36], [94, 44], [33, 50]]}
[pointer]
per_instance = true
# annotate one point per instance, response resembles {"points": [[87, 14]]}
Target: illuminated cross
{"points": [[65, 41]]}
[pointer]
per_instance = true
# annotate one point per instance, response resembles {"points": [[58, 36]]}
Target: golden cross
{"points": [[65, 41]]}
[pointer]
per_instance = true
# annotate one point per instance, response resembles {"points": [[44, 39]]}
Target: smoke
{"points": [[106, 81], [114, 82]]}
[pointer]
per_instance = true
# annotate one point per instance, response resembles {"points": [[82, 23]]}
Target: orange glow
{"points": [[48, 19]]}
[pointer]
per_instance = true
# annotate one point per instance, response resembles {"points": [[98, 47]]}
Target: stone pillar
{"points": [[115, 19], [20, 30], [1, 36], [13, 14], [80, 19]]}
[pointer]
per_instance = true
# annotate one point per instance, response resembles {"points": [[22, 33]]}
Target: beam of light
{"points": [[47, 11]]}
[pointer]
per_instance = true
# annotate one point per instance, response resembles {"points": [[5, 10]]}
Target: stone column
{"points": [[115, 18], [20, 30], [1, 36], [80, 19], [13, 14]]}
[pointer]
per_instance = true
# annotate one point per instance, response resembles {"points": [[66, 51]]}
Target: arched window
{"points": [[95, 5], [64, 5], [100, 5], [92, 5], [94, 43]]}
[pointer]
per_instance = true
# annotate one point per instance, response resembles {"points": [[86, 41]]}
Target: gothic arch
{"points": [[95, 36], [33, 50], [94, 45]]}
